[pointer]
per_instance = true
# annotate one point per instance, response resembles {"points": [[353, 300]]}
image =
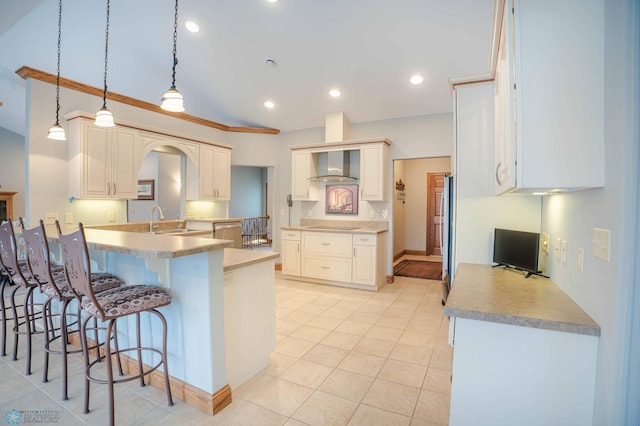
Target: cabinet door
{"points": [[124, 182], [291, 257], [364, 265], [96, 173], [505, 137], [222, 173], [373, 171], [302, 168], [207, 164]]}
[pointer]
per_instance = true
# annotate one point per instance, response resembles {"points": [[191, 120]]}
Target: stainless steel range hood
{"points": [[337, 165], [336, 168]]}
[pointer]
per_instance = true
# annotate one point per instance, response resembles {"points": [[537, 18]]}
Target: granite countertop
{"points": [[483, 293], [237, 258], [341, 226], [143, 244]]}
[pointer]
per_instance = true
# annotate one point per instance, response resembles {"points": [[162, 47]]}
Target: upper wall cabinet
{"points": [[102, 161], [304, 164], [373, 165], [549, 96], [374, 171], [213, 181]]}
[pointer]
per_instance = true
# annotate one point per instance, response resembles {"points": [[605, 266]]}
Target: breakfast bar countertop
{"points": [[143, 244], [483, 293], [237, 258]]}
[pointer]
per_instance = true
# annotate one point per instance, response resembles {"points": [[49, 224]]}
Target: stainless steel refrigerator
{"points": [[447, 233]]}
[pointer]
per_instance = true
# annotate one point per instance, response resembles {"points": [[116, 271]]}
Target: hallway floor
{"points": [[342, 356]]}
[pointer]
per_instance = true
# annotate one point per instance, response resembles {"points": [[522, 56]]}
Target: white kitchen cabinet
{"points": [[102, 161], [326, 255], [550, 118], [304, 164], [291, 252], [215, 172], [337, 258], [374, 171]]}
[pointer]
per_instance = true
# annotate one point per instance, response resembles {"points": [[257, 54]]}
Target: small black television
{"points": [[516, 249]]}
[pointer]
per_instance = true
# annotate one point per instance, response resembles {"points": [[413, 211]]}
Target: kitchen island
{"points": [[524, 352], [193, 269]]}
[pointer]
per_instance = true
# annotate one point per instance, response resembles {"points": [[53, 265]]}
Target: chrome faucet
{"points": [[151, 226]]}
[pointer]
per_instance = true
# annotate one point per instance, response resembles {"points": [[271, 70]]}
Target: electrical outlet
{"points": [[385, 214], [372, 214], [281, 212], [309, 213], [191, 214], [68, 218], [111, 216], [544, 241], [50, 218], [580, 260]]}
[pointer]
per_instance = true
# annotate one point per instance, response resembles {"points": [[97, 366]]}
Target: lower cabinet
{"points": [[291, 252], [346, 259]]}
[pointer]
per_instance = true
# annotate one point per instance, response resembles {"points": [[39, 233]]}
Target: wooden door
{"points": [[435, 187]]}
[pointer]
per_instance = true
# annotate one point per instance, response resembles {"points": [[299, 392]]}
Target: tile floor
{"points": [[342, 357]]}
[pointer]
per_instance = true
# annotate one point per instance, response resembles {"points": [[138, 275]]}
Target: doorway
{"points": [[435, 186], [410, 203]]}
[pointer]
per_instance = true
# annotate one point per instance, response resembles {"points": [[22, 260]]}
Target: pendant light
{"points": [[104, 118], [56, 132], [172, 100]]}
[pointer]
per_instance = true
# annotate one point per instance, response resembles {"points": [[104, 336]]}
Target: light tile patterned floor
{"points": [[343, 357]]}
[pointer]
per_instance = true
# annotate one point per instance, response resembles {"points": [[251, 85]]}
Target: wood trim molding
{"points": [[390, 279], [189, 394], [27, 72], [345, 144]]}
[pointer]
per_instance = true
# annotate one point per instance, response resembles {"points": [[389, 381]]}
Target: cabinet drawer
{"points": [[364, 239], [326, 244], [327, 269], [291, 235]]}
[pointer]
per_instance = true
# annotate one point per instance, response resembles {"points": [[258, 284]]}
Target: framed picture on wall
{"points": [[146, 189], [342, 199]]}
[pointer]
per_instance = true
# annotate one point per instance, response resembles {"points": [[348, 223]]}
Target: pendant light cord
{"points": [[175, 52], [106, 54], [58, 76]]}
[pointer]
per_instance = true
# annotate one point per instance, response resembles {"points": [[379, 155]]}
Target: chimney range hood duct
{"points": [[336, 168]]}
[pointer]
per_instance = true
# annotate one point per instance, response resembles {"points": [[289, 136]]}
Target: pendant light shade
{"points": [[172, 99], [56, 132], [104, 118]]}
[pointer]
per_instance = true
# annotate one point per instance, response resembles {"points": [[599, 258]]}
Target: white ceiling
{"points": [[366, 48]]}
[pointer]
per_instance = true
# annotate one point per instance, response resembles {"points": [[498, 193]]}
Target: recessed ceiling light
{"points": [[416, 79], [271, 1], [269, 104], [192, 26], [334, 93]]}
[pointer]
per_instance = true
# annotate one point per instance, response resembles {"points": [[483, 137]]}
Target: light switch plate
{"points": [[563, 252], [191, 214], [557, 249], [50, 218], [68, 218], [602, 244], [111, 216]]}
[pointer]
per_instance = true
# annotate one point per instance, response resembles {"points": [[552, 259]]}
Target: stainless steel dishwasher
{"points": [[231, 230]]}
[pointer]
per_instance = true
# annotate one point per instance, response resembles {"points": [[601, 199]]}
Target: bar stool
{"points": [[108, 306], [19, 275], [53, 283]]}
